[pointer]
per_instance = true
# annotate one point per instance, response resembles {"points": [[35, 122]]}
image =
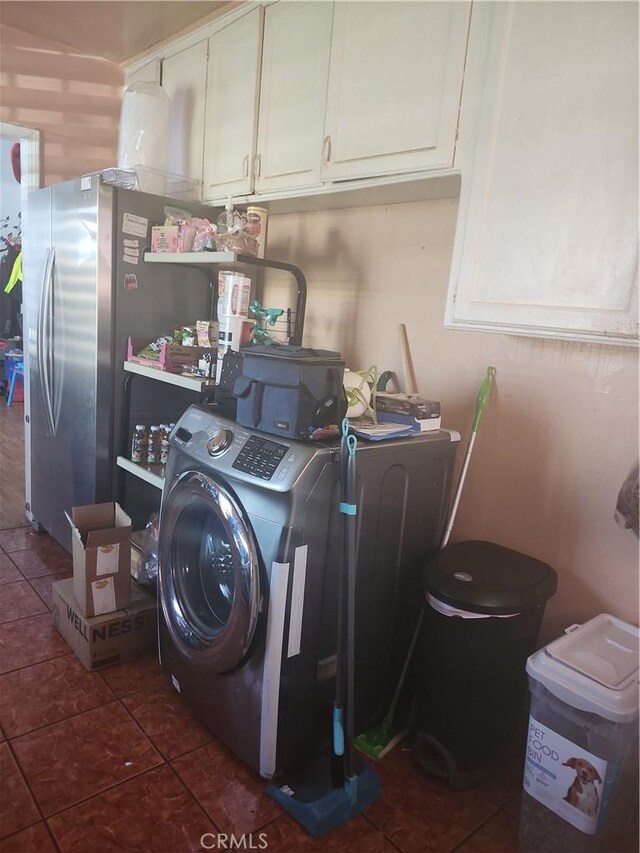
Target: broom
{"points": [[378, 741]]}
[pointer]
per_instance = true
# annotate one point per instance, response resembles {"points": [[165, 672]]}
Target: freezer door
{"points": [[70, 327]]}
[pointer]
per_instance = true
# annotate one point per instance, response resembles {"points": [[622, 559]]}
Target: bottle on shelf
{"points": [[153, 445], [224, 223], [139, 444], [165, 430]]}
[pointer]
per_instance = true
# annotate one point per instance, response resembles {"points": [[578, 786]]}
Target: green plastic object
{"points": [[483, 395]]}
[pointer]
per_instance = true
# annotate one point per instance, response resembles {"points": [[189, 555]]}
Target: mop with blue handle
{"points": [[313, 799]]}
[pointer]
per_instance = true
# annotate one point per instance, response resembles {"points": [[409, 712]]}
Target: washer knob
{"points": [[219, 442]]}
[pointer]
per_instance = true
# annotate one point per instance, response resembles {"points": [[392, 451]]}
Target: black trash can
{"points": [[483, 609]]}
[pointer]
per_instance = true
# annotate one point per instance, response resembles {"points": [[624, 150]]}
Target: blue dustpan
{"points": [[312, 800]]}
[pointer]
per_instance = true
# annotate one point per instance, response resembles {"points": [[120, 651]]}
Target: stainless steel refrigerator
{"points": [[86, 290]]}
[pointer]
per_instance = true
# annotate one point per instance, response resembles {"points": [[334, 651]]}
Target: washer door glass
{"points": [[209, 576], [202, 557]]}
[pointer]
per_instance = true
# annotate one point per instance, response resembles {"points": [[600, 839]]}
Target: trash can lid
{"points": [[483, 577], [594, 667]]}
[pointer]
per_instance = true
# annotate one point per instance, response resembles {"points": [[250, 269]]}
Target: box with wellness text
{"points": [[102, 640]]}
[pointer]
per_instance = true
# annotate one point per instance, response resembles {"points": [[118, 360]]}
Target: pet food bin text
{"points": [[581, 769], [483, 609]]}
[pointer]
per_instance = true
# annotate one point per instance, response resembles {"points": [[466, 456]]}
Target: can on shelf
{"points": [[257, 226], [234, 292]]}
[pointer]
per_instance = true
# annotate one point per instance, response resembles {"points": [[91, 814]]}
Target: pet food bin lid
{"points": [[594, 667], [476, 577]]}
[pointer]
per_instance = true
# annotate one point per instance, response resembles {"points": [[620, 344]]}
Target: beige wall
{"points": [[73, 100], [560, 432]]}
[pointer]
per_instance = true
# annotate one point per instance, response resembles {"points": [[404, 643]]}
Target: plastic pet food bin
{"points": [[581, 767]]}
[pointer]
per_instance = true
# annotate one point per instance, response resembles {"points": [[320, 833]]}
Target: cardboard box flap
{"points": [[122, 519], [110, 536], [91, 520]]}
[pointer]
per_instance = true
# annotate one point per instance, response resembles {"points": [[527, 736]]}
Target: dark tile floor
{"points": [[114, 761]]}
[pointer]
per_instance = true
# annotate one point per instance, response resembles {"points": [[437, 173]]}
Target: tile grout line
{"points": [[96, 793], [33, 662], [62, 719], [46, 604], [201, 808], [11, 560], [476, 829], [99, 793], [28, 787], [25, 615], [382, 832]]}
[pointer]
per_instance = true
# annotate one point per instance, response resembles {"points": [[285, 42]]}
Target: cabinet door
{"points": [[546, 242], [232, 92], [293, 91], [184, 78], [394, 87]]}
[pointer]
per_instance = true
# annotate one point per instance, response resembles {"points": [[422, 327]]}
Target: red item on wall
{"points": [[15, 161]]}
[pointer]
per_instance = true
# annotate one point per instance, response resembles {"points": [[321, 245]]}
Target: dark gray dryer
{"points": [[249, 561]]}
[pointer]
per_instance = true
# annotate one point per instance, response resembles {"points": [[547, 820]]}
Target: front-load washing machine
{"points": [[250, 558]]}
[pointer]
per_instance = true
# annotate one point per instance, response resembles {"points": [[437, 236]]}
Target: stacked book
{"points": [[408, 410], [399, 415]]}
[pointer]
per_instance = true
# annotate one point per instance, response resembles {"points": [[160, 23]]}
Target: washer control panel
{"points": [[240, 454], [219, 442], [260, 457]]}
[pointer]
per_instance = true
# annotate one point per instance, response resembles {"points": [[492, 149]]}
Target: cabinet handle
{"points": [[257, 164], [245, 166], [326, 148]]}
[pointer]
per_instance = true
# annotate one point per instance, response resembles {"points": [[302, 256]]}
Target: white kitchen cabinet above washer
{"points": [[395, 82], [547, 234], [184, 78], [231, 107], [293, 91]]}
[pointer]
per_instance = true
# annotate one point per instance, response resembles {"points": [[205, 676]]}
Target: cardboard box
{"points": [[101, 557], [164, 238], [113, 637]]}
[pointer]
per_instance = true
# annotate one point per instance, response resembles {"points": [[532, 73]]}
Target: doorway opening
{"points": [[20, 174]]}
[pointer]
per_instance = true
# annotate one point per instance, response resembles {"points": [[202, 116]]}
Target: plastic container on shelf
{"points": [[581, 771], [144, 131]]}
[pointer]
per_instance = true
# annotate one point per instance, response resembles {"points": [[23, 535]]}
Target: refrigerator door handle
{"points": [[44, 341]]}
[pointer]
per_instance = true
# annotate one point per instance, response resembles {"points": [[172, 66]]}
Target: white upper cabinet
{"points": [[547, 237], [231, 107], [184, 78], [295, 67], [395, 81]]}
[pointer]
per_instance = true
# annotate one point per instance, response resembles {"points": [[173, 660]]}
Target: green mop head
{"points": [[377, 742]]}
